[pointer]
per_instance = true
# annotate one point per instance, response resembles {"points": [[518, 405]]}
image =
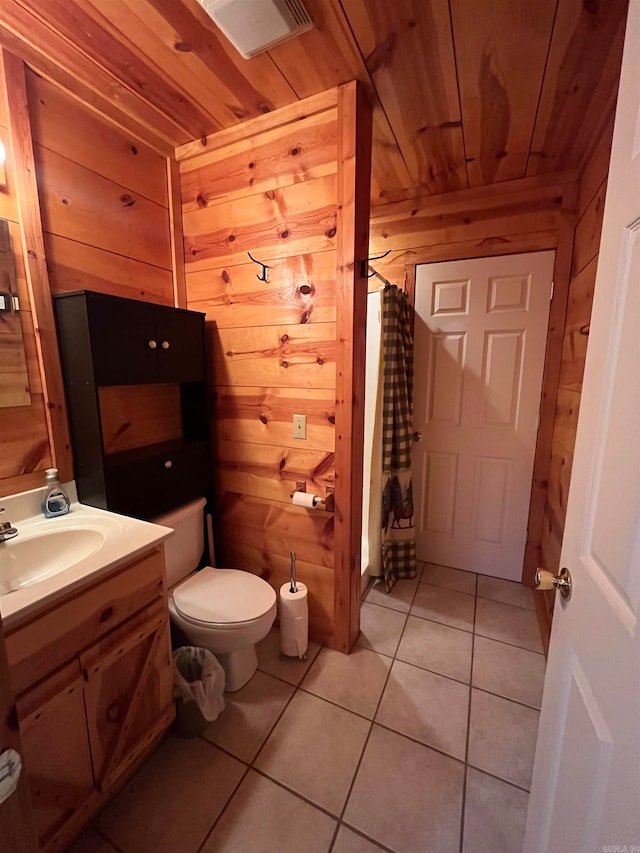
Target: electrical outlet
{"points": [[300, 426]]}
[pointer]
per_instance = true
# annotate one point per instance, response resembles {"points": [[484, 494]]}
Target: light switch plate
{"points": [[300, 426]]}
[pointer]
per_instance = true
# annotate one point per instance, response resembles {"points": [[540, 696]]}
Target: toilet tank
{"points": [[183, 550]]}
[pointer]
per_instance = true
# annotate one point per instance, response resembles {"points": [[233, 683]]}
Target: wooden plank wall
{"points": [[269, 189], [591, 197], [104, 204]]}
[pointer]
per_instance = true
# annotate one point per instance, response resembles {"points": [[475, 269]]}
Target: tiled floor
{"points": [[421, 740]]}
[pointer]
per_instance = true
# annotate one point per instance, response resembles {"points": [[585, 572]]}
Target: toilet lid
{"points": [[223, 596]]}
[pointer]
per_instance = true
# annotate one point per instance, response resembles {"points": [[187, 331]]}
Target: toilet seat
{"points": [[223, 597]]}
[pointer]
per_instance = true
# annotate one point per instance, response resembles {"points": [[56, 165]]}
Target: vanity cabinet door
{"points": [[56, 754], [128, 692], [180, 336]]}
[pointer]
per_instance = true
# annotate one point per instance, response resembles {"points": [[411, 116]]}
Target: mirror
{"points": [[14, 379]]}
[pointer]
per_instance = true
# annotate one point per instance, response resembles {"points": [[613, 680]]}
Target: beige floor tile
{"points": [[173, 800], [509, 671], [249, 715], [380, 628], [508, 623], [314, 750], [288, 669], [264, 818], [348, 841], [355, 681], [502, 737], [444, 605], [507, 592], [454, 579], [494, 815], [425, 706], [406, 796], [437, 647], [399, 598], [91, 842]]}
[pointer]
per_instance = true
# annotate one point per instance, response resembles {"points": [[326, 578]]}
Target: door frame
{"points": [[562, 243]]}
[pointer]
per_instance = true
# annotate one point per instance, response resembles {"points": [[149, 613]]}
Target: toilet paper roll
{"points": [[306, 499], [294, 620]]}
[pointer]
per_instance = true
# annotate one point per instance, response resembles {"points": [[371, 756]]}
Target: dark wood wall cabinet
{"points": [[152, 465]]}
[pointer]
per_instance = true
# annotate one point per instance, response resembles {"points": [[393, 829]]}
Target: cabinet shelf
{"points": [[104, 343]]}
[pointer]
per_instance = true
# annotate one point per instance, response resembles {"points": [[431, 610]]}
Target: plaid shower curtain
{"points": [[398, 531]]}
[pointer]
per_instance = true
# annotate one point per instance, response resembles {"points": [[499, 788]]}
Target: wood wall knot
{"points": [[284, 234], [201, 201], [331, 232], [284, 364], [182, 47], [305, 289], [127, 200], [133, 150], [263, 419], [294, 152], [284, 338], [32, 254]]}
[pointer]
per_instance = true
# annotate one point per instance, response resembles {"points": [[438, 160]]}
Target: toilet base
{"points": [[239, 667]]}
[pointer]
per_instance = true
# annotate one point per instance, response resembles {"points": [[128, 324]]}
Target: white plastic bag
{"points": [[199, 677]]}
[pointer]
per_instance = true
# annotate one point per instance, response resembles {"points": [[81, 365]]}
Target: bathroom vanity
{"points": [[90, 662]]}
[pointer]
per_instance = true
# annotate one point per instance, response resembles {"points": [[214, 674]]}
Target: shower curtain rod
{"points": [[377, 275]]}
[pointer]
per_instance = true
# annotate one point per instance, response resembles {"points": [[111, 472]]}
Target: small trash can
{"points": [[198, 688]]}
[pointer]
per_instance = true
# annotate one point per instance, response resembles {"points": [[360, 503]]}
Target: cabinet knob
{"points": [[165, 344], [168, 464], [152, 344]]}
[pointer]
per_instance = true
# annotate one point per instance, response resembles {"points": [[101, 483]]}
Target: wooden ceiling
{"points": [[466, 92]]}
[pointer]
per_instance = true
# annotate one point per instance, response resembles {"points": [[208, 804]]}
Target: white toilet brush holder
{"points": [[294, 616]]}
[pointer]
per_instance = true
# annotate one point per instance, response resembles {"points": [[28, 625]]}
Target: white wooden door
{"points": [[480, 337], [586, 781]]}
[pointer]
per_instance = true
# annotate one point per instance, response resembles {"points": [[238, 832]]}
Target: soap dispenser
{"points": [[56, 500]]}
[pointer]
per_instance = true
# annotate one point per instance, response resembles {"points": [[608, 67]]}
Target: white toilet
{"points": [[224, 610]]}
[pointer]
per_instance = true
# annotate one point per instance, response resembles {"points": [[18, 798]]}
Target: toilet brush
{"points": [[294, 586]]}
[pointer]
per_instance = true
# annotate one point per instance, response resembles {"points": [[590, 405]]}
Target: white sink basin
{"points": [[26, 560], [51, 556]]}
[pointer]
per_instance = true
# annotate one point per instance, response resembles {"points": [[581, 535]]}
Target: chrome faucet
{"points": [[7, 530]]}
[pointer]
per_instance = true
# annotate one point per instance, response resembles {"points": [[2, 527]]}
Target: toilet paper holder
{"points": [[326, 503]]}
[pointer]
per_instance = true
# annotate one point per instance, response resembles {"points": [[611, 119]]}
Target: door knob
{"points": [[417, 436], [547, 580]]}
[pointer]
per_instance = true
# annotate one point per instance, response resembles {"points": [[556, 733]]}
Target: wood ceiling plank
{"points": [[585, 56], [501, 50], [255, 87], [58, 60], [141, 27], [408, 49], [81, 24]]}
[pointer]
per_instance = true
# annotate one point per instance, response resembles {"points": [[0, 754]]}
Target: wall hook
{"points": [[264, 275], [364, 265]]}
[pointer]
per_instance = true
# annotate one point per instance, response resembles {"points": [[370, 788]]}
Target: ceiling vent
{"points": [[253, 26]]}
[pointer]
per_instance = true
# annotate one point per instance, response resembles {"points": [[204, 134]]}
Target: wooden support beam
{"points": [[550, 380], [26, 187], [177, 240], [354, 168]]}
